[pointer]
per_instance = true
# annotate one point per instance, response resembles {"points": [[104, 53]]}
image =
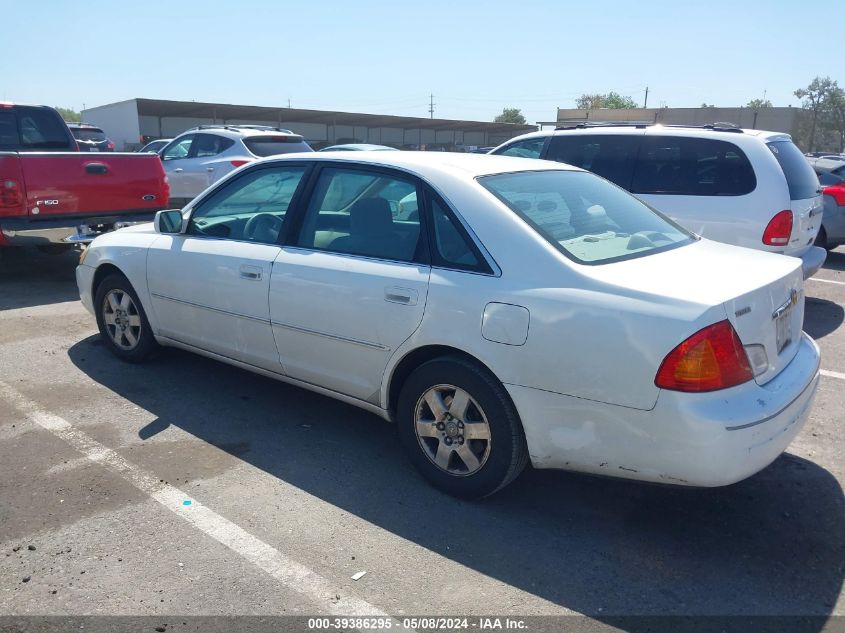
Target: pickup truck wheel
{"points": [[122, 321], [459, 427]]}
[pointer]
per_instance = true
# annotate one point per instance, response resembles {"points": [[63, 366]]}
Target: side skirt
{"points": [[367, 406]]}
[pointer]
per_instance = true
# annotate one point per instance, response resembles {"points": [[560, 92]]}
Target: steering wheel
{"points": [[263, 227]]}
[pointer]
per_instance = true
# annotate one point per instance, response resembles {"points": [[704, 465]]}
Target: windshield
{"points": [[585, 217]]}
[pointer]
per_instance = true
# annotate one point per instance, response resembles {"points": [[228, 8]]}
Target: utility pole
{"points": [[431, 105], [645, 102], [288, 102]]}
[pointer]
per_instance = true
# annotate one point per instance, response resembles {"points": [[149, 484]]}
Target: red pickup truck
{"points": [[50, 193]]}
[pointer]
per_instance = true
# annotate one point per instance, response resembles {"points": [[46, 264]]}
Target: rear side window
{"points": [[800, 177], [529, 148], [692, 167], [23, 128], [609, 156], [210, 145], [272, 145]]}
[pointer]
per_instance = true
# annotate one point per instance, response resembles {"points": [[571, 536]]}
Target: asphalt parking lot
{"points": [[188, 487]]}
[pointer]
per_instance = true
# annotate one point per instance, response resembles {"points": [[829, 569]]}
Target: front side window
{"points": [[251, 208], [587, 219], [362, 213], [529, 148], [611, 156], [692, 167], [179, 148]]}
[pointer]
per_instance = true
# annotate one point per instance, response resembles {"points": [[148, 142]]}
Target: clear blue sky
{"points": [[387, 56]]}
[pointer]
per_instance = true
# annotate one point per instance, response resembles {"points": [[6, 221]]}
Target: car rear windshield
{"points": [[585, 217], [88, 134], [272, 145], [800, 177], [33, 129]]}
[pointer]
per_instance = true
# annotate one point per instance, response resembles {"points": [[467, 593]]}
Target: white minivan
{"points": [[744, 187]]}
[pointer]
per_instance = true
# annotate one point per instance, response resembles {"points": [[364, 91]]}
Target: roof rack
{"points": [[236, 126], [719, 126]]}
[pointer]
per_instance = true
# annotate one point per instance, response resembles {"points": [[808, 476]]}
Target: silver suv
{"points": [[202, 155]]}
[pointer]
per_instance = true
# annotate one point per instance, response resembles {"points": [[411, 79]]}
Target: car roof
{"points": [[239, 131], [428, 164], [359, 147], [657, 129], [828, 164]]}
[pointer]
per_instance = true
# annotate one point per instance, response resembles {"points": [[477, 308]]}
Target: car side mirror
{"points": [[168, 221]]}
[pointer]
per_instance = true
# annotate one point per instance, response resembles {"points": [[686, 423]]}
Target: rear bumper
{"points": [[65, 230], [707, 439], [812, 260]]}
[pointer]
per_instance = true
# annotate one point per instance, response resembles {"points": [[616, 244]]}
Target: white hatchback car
{"points": [[202, 155], [745, 187], [522, 310]]}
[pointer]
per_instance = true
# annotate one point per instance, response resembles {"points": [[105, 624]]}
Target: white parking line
{"points": [[827, 281], [293, 575], [832, 374]]}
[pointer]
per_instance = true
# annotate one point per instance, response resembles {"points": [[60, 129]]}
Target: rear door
{"points": [[352, 285], [806, 201]]}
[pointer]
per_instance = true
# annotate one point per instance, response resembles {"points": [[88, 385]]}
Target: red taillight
{"points": [[710, 359], [110, 145], [10, 194], [837, 192], [238, 163], [779, 229]]}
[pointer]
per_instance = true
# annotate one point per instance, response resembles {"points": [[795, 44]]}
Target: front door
{"points": [[209, 286], [352, 286]]}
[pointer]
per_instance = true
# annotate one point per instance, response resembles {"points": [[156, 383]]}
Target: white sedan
{"points": [[519, 311]]}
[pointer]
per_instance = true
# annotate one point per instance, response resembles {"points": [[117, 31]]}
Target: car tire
{"points": [[122, 321], [821, 240], [459, 427]]}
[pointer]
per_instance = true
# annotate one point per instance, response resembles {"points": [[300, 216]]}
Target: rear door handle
{"points": [[178, 169], [252, 273], [209, 169], [405, 296]]}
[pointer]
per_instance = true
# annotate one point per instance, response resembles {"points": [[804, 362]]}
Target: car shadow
{"points": [[771, 545], [29, 277], [822, 317], [835, 259]]}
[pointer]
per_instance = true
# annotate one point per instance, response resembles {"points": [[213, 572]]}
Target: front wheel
{"points": [[460, 429], [122, 321]]}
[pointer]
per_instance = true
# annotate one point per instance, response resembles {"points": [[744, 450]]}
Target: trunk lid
{"points": [[751, 286]]}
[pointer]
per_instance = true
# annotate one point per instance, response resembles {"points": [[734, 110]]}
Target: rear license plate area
{"points": [[783, 329]]}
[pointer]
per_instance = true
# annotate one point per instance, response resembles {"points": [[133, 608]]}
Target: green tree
{"points": [[611, 100], [69, 115], [758, 104], [510, 115], [815, 97]]}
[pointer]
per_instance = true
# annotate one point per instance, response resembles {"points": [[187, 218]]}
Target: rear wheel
{"points": [[821, 239], [122, 321], [460, 429]]}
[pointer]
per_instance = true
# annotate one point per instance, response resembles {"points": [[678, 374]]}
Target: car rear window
{"points": [[586, 218], [272, 145], [25, 128], [686, 166], [800, 177], [88, 134]]}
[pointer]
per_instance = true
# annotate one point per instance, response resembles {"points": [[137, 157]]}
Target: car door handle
{"points": [[96, 168], [178, 169], [209, 169], [252, 273], [405, 296]]}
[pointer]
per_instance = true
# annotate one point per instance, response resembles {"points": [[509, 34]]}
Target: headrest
{"points": [[370, 216]]}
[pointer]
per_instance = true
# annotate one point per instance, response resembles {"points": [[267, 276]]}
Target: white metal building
{"points": [[136, 121]]}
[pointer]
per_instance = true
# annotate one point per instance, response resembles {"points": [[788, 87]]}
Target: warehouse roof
{"points": [[226, 112]]}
